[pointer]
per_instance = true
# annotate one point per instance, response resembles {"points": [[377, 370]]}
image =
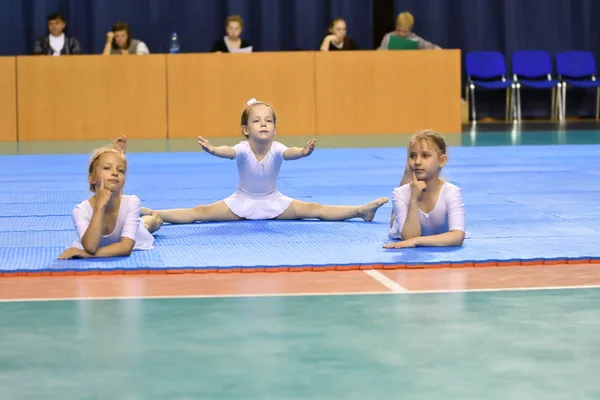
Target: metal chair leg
{"points": [[473, 111], [507, 106], [560, 102], [467, 99], [553, 106], [597, 103], [518, 89], [564, 101], [513, 102]]}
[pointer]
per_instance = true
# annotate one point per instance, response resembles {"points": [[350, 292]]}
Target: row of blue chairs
{"points": [[531, 69]]}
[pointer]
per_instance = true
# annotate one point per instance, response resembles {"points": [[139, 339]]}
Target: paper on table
{"points": [[242, 50]]}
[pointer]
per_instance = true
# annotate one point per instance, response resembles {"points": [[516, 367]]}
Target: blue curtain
{"points": [[21, 21], [270, 25], [507, 26]]}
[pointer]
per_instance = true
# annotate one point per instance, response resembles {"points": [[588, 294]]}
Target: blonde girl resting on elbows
{"points": [[427, 211], [108, 224]]}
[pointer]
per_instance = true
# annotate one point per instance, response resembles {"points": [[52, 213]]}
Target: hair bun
{"points": [[251, 101]]}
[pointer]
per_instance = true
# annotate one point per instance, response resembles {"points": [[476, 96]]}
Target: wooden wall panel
{"points": [[91, 97]]}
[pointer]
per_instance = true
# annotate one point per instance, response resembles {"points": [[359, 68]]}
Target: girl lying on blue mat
{"points": [[427, 211], [259, 160], [108, 223]]}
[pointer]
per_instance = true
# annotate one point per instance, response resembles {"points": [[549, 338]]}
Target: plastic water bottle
{"points": [[174, 43]]}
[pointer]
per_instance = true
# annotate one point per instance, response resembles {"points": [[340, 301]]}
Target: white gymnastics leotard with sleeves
{"points": [[129, 224], [448, 213], [257, 196]]}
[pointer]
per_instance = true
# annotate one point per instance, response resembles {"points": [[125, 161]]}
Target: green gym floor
{"points": [[527, 332]]}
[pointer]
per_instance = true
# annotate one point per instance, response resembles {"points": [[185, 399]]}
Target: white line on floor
{"points": [[385, 281], [226, 296]]}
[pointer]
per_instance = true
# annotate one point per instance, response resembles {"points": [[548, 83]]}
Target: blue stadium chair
{"points": [[487, 70], [533, 69], [578, 69]]}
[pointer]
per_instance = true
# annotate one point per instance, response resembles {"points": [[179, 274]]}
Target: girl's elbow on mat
{"points": [[408, 236], [90, 250], [127, 248], [460, 238]]}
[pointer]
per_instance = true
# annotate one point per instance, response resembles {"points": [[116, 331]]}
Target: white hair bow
{"points": [[252, 101]]}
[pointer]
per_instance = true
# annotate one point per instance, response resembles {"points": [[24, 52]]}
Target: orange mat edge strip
{"points": [[303, 268]]}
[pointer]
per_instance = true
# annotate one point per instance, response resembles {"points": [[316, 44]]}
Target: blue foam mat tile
{"points": [[264, 255], [549, 227], [500, 169], [35, 209], [377, 190], [50, 185], [503, 249], [163, 204], [349, 200], [482, 198], [556, 197], [579, 212], [572, 247], [37, 239], [538, 186], [490, 212], [39, 223], [28, 259], [590, 223], [33, 196], [520, 201], [46, 260], [498, 180], [343, 179], [284, 233], [175, 194], [223, 256]]}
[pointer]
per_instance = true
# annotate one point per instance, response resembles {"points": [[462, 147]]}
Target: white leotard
{"points": [[448, 213], [129, 224], [257, 196]]}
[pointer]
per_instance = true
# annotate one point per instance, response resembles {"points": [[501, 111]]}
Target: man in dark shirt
{"points": [[56, 43]]}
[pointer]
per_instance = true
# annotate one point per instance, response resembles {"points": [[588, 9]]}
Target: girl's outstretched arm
{"points": [[221, 151], [452, 238], [294, 153], [123, 248]]}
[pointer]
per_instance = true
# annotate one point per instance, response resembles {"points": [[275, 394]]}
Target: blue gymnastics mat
{"points": [[527, 203]]}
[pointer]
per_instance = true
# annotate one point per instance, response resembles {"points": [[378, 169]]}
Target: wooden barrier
{"points": [[91, 97], [8, 100], [382, 92], [207, 92], [186, 95]]}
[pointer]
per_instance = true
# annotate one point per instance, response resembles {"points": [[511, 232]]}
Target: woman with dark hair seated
{"points": [[337, 39], [120, 42], [232, 42]]}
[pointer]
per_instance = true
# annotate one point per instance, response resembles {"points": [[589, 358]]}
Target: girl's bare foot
{"points": [[367, 212], [152, 222]]}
